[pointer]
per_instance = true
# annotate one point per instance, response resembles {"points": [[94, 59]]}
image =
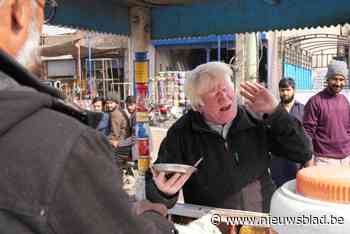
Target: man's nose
{"points": [[338, 82], [224, 96]]}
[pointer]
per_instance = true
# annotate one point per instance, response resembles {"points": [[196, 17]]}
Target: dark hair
{"points": [[97, 99], [113, 97], [286, 82], [130, 100]]}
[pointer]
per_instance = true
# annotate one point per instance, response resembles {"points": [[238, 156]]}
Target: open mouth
{"points": [[225, 108]]}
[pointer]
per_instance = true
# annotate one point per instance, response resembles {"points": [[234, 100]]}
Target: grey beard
{"points": [[29, 55]]}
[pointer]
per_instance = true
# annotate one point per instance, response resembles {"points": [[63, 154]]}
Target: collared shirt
{"points": [[221, 129]]}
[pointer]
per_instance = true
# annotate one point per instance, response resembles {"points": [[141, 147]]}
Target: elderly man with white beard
{"points": [[56, 174]]}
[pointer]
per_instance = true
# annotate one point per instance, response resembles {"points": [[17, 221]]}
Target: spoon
{"points": [[198, 162]]}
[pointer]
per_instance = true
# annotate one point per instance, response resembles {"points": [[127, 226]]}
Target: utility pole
{"points": [[140, 18]]}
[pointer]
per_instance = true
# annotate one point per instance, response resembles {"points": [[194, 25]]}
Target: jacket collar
{"points": [[242, 121], [7, 83], [295, 104]]}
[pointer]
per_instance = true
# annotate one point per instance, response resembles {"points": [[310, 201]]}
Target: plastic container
{"points": [[143, 147], [143, 163], [142, 90], [304, 215], [142, 130], [142, 117]]}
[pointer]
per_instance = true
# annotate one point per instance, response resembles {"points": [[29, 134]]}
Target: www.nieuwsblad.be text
{"points": [[271, 220]]}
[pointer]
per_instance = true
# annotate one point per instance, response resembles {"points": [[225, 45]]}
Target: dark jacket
{"points": [[57, 175], [282, 169], [234, 173], [120, 125], [297, 111]]}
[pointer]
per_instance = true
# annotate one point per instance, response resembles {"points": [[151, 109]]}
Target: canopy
{"points": [[68, 45], [186, 18], [103, 16], [239, 16]]}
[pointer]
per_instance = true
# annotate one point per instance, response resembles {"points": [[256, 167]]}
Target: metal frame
{"points": [[314, 51]]}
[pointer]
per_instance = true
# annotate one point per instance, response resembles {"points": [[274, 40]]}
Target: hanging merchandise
{"points": [[181, 83], [161, 84], [170, 88], [170, 94]]}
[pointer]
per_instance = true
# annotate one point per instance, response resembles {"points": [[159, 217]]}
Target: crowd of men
{"points": [[325, 118], [116, 121]]}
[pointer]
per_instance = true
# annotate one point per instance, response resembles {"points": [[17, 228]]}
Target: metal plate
{"points": [[169, 168]]}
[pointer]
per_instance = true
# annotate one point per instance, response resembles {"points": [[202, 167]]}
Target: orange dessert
{"points": [[327, 183]]}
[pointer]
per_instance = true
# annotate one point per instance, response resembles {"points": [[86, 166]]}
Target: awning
{"points": [[238, 16], [68, 45], [203, 17], [210, 41], [104, 16]]}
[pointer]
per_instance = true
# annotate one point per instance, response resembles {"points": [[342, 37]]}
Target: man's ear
{"points": [[19, 16]]}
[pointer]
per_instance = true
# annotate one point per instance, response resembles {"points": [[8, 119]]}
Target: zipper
{"points": [[226, 145]]}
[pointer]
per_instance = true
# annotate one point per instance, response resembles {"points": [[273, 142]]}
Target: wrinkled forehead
{"points": [[210, 82]]}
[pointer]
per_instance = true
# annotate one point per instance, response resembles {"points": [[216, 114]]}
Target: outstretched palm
{"points": [[258, 98]]}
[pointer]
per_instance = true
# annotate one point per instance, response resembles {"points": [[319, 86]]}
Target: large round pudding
{"points": [[325, 183], [316, 202]]}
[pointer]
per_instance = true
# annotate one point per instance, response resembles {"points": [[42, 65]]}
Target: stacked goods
{"points": [[142, 118]]}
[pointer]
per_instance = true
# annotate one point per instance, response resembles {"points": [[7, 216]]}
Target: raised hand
{"points": [[258, 98]]}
